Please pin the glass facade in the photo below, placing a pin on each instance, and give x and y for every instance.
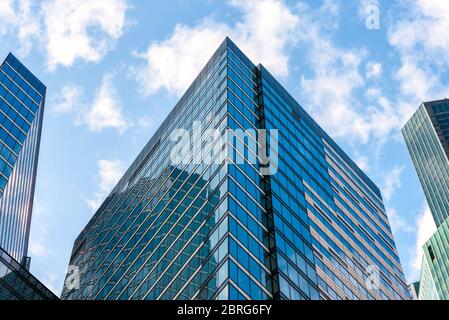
(427, 137)
(434, 284)
(218, 227)
(22, 99)
(16, 283)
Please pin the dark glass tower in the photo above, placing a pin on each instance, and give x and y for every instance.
(307, 224)
(22, 99)
(16, 283)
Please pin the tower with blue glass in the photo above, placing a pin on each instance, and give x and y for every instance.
(22, 100)
(309, 225)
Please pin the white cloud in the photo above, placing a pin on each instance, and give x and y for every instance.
(362, 163)
(420, 37)
(19, 19)
(364, 6)
(335, 92)
(38, 249)
(41, 222)
(373, 70)
(425, 25)
(265, 33)
(67, 100)
(329, 94)
(50, 281)
(146, 122)
(392, 182)
(398, 223)
(66, 30)
(109, 173)
(172, 64)
(81, 29)
(415, 81)
(425, 228)
(105, 111)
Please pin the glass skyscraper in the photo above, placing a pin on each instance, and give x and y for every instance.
(22, 99)
(307, 224)
(427, 137)
(434, 284)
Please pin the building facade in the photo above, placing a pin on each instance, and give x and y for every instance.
(211, 217)
(434, 284)
(16, 283)
(427, 137)
(22, 99)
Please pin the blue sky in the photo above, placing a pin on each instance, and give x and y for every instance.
(115, 68)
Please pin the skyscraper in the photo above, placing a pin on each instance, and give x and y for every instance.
(434, 284)
(427, 137)
(202, 213)
(22, 99)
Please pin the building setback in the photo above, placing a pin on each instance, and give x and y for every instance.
(307, 225)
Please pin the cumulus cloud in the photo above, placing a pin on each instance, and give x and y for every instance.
(373, 70)
(50, 280)
(66, 30)
(392, 182)
(362, 163)
(109, 173)
(81, 29)
(38, 249)
(67, 100)
(420, 37)
(336, 91)
(40, 224)
(425, 228)
(173, 63)
(19, 19)
(105, 111)
(398, 223)
(365, 6)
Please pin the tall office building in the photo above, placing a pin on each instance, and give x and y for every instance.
(210, 216)
(427, 137)
(22, 99)
(434, 284)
